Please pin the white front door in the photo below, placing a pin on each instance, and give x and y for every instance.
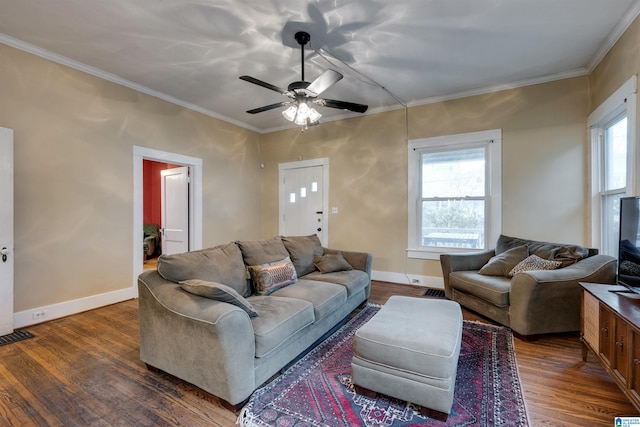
(175, 210)
(303, 199)
(6, 231)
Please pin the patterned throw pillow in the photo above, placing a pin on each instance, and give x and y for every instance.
(268, 278)
(534, 262)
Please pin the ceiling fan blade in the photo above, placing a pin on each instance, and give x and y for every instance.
(268, 107)
(324, 81)
(264, 84)
(342, 105)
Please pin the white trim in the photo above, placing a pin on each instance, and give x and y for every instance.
(408, 279)
(614, 35)
(622, 100)
(607, 109)
(494, 170)
(324, 162)
(195, 200)
(67, 308)
(72, 63)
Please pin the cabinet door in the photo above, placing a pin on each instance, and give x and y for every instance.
(622, 349)
(606, 334)
(634, 381)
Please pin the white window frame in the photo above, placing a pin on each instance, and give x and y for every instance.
(621, 101)
(493, 141)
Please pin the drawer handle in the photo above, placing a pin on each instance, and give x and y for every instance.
(621, 344)
(636, 361)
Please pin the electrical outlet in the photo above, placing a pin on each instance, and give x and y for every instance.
(41, 314)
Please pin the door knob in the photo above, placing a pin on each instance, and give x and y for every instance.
(4, 253)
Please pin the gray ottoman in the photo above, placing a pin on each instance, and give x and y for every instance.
(409, 350)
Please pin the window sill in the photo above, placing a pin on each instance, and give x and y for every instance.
(434, 254)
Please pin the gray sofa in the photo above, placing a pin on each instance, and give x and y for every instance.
(533, 301)
(229, 342)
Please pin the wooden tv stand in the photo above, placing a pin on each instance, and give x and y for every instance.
(610, 327)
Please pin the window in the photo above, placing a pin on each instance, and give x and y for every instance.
(612, 165)
(454, 193)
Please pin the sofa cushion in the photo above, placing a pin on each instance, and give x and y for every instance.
(503, 263)
(493, 289)
(353, 280)
(279, 319)
(219, 292)
(302, 249)
(270, 277)
(329, 263)
(222, 264)
(256, 252)
(325, 297)
(567, 254)
(534, 262)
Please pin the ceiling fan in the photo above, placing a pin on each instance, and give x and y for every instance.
(303, 93)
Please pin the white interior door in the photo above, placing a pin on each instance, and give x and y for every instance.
(175, 210)
(303, 199)
(6, 231)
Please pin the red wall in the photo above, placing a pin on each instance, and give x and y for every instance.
(151, 190)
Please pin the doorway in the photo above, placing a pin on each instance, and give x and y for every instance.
(304, 198)
(194, 165)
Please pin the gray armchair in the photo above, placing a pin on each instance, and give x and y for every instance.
(531, 302)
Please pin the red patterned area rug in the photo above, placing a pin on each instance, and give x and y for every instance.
(317, 390)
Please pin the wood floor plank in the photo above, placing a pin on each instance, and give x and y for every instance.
(85, 370)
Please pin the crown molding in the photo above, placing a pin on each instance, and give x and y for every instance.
(614, 35)
(71, 63)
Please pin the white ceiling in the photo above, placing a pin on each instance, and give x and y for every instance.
(390, 52)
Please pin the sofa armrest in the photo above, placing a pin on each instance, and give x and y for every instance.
(359, 260)
(549, 301)
(462, 261)
(208, 343)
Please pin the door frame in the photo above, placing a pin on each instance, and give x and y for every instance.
(282, 197)
(7, 273)
(195, 200)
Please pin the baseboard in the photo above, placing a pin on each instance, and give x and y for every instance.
(33, 316)
(408, 279)
(67, 308)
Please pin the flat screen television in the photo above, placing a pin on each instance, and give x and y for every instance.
(629, 244)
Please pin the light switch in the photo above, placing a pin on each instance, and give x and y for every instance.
(334, 210)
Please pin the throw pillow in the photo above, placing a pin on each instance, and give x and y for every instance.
(268, 278)
(222, 264)
(502, 264)
(302, 249)
(218, 292)
(534, 262)
(256, 252)
(329, 263)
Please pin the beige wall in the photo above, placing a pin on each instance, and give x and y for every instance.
(73, 139)
(74, 135)
(544, 144)
(622, 62)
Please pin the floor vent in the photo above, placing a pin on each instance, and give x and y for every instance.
(15, 336)
(433, 293)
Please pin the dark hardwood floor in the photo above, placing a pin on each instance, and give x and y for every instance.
(85, 370)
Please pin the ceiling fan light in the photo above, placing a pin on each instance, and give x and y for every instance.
(303, 110)
(314, 116)
(300, 120)
(290, 113)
